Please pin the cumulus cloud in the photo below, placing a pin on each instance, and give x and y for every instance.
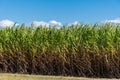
(40, 23)
(52, 23)
(74, 23)
(55, 24)
(115, 21)
(5, 23)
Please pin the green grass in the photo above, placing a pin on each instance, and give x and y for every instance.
(81, 50)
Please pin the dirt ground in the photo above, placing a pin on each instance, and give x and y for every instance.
(9, 76)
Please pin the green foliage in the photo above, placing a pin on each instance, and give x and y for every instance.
(79, 50)
(64, 40)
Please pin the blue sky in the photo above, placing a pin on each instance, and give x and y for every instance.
(65, 11)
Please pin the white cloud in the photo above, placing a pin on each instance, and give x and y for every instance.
(5, 23)
(55, 23)
(74, 23)
(40, 23)
(52, 23)
(115, 21)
